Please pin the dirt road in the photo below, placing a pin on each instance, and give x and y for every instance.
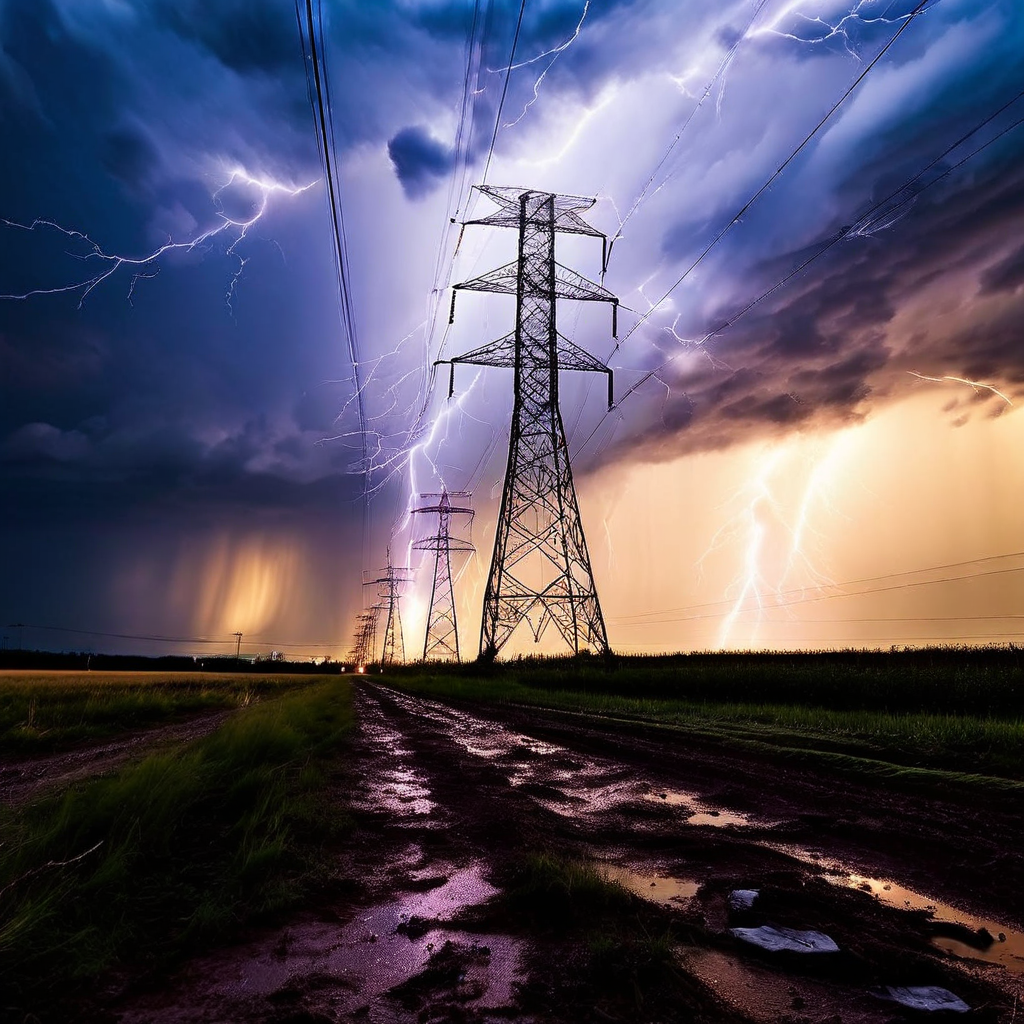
(28, 777)
(450, 801)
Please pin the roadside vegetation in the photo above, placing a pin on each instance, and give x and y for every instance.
(46, 711)
(175, 851)
(624, 949)
(917, 716)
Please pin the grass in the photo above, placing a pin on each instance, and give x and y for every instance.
(174, 851)
(954, 713)
(563, 892)
(624, 949)
(44, 711)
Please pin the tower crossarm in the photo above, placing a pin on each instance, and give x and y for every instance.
(503, 353)
(566, 211)
(568, 285)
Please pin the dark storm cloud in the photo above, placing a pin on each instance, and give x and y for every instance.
(245, 35)
(1006, 275)
(202, 395)
(420, 161)
(819, 350)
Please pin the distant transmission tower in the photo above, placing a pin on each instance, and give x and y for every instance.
(364, 644)
(540, 570)
(390, 583)
(442, 636)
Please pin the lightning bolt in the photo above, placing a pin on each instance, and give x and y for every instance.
(820, 30)
(763, 576)
(554, 53)
(977, 385)
(104, 265)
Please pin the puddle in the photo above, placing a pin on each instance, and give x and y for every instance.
(587, 786)
(1007, 949)
(350, 966)
(661, 889)
(700, 814)
(398, 787)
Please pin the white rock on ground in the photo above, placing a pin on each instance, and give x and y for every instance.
(743, 899)
(927, 997)
(790, 940)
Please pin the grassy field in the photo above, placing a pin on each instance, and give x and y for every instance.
(174, 851)
(954, 713)
(44, 711)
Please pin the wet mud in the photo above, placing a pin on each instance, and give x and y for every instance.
(449, 801)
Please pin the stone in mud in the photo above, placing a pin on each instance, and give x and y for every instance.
(786, 940)
(927, 998)
(416, 927)
(743, 899)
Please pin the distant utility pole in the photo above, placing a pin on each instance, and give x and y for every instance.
(389, 584)
(540, 570)
(238, 644)
(19, 626)
(442, 636)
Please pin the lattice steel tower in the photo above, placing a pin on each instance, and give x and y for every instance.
(390, 583)
(540, 570)
(442, 636)
(364, 643)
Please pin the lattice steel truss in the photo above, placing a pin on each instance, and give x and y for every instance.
(389, 584)
(540, 570)
(364, 643)
(441, 640)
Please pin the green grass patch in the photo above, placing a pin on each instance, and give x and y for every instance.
(947, 712)
(559, 892)
(44, 711)
(174, 851)
(623, 949)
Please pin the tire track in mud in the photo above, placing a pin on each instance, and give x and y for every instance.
(675, 846)
(448, 800)
(32, 776)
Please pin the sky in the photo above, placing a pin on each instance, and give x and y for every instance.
(817, 211)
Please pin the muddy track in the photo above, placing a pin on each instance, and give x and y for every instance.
(23, 779)
(448, 801)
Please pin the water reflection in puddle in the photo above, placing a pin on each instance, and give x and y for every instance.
(584, 786)
(1007, 947)
(353, 966)
(398, 787)
(662, 889)
(700, 813)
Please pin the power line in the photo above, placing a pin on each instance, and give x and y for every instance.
(866, 220)
(778, 171)
(164, 639)
(871, 215)
(504, 92)
(829, 597)
(852, 583)
(318, 91)
(726, 61)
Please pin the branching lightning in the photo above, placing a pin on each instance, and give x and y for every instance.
(976, 385)
(104, 265)
(821, 30)
(554, 53)
(773, 537)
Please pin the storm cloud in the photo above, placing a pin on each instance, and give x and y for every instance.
(214, 382)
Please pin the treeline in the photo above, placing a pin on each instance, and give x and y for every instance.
(72, 660)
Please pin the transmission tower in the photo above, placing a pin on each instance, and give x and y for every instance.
(442, 636)
(364, 643)
(540, 570)
(389, 584)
